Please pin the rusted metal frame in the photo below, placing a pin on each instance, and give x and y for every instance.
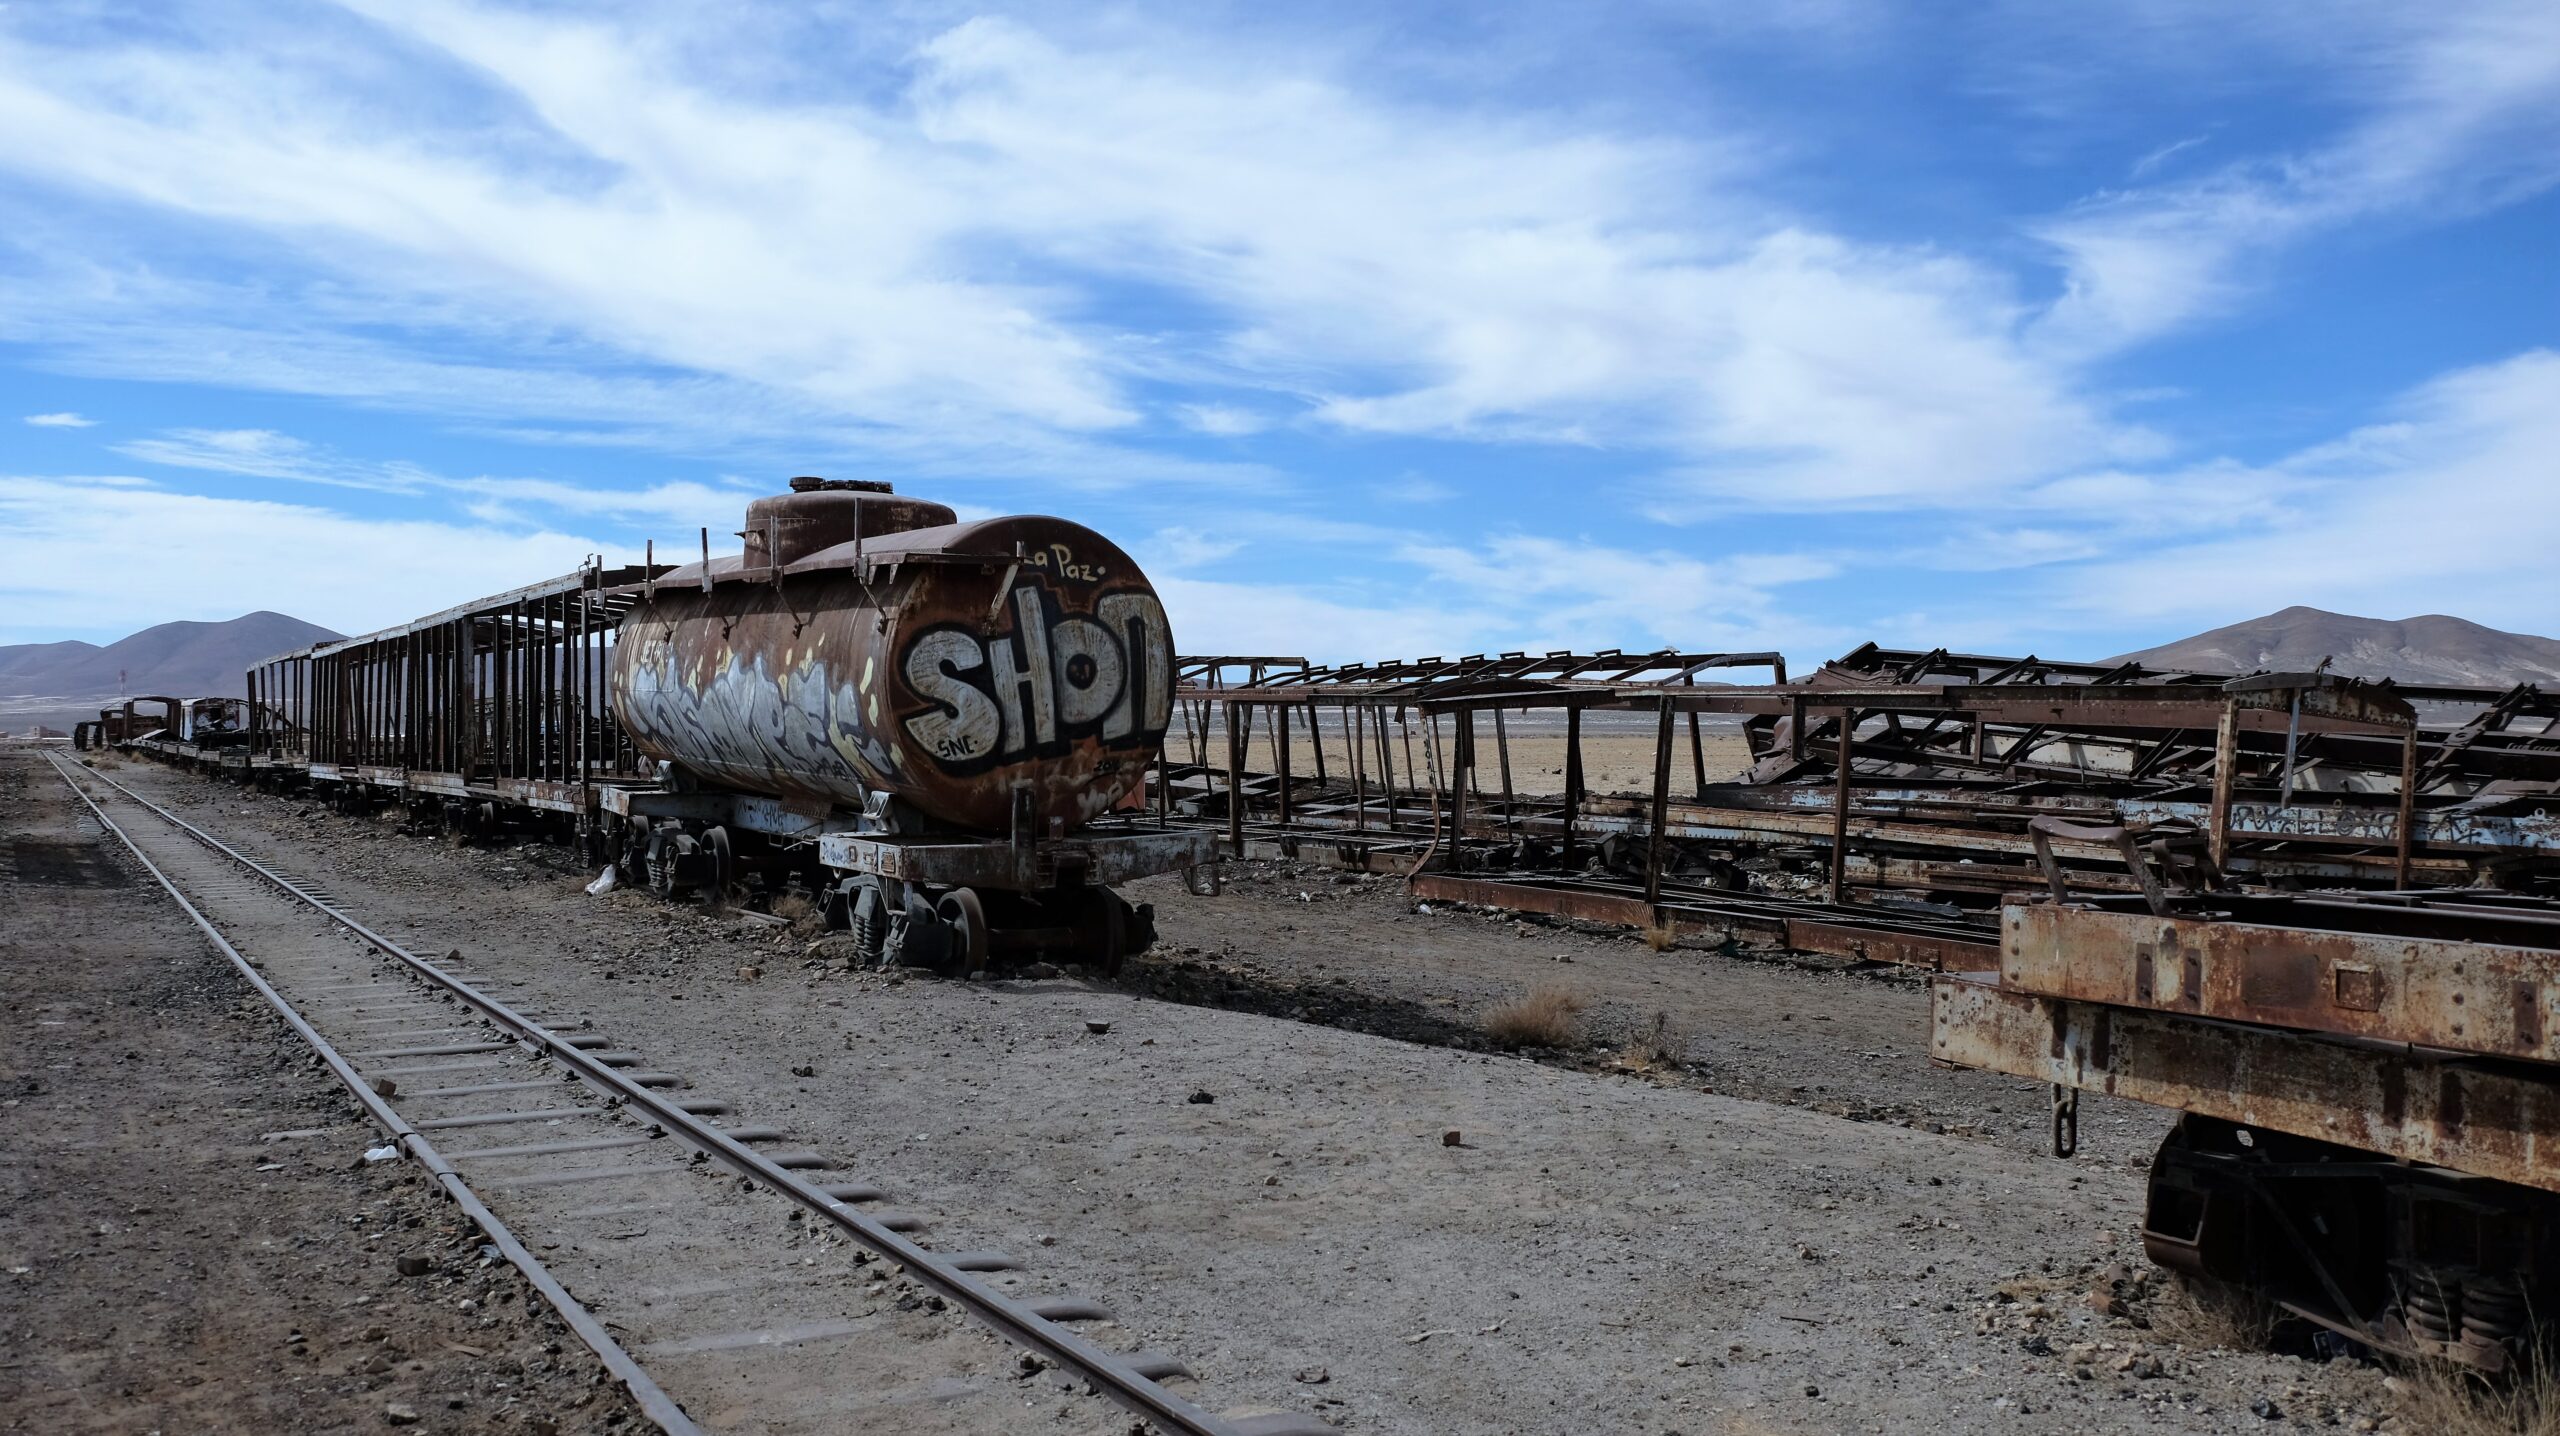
(1315, 740)
(1797, 926)
(1458, 775)
(554, 700)
(1573, 793)
(1841, 784)
(556, 677)
(462, 712)
(1502, 754)
(1280, 752)
(1354, 735)
(1235, 784)
(502, 684)
(2226, 760)
(1660, 817)
(2404, 847)
(1474, 777)
(2492, 1000)
(1386, 764)
(520, 649)
(2490, 1119)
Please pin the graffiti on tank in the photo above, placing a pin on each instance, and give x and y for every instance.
(1059, 559)
(1051, 681)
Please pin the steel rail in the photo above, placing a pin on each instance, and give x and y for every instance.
(653, 1400)
(1111, 1374)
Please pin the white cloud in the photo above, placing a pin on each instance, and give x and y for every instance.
(264, 453)
(1225, 421)
(61, 421)
(2460, 111)
(924, 263)
(114, 556)
(2449, 506)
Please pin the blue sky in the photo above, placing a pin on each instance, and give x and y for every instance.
(1370, 331)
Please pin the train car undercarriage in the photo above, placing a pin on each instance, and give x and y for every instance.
(2371, 1123)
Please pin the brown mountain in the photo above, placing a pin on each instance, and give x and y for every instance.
(182, 660)
(2431, 648)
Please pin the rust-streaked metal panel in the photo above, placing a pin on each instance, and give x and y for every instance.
(1105, 859)
(1768, 919)
(2496, 1000)
(2489, 1119)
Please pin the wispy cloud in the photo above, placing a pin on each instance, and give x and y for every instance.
(2446, 505)
(61, 421)
(346, 572)
(2460, 111)
(2145, 166)
(264, 453)
(921, 269)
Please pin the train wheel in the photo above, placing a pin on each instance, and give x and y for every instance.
(724, 861)
(970, 938)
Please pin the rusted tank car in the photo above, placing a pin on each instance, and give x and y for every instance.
(945, 708)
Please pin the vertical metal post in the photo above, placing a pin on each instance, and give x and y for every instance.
(1840, 810)
(1572, 777)
(1697, 743)
(1661, 807)
(2292, 741)
(1502, 756)
(2408, 806)
(2226, 763)
(1235, 784)
(1315, 738)
(1460, 770)
(1387, 769)
(1280, 750)
(1354, 733)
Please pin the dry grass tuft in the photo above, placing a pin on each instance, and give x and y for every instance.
(2442, 1399)
(2204, 1315)
(1657, 1046)
(1549, 1016)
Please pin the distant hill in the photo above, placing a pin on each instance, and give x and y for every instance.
(2430, 648)
(182, 660)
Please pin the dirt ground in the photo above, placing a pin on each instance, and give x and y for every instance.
(1787, 1223)
(189, 1238)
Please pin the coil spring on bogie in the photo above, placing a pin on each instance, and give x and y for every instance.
(2494, 1311)
(2429, 1306)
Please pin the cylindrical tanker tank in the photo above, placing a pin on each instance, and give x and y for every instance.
(870, 644)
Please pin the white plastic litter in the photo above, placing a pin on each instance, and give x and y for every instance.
(602, 885)
(380, 1154)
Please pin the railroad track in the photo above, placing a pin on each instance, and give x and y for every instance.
(824, 1312)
